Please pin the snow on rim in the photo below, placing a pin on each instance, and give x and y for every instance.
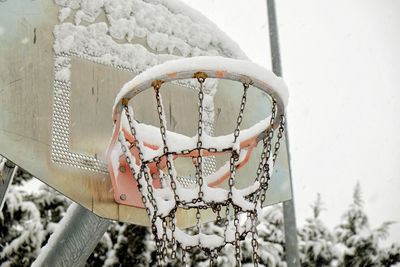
(206, 63)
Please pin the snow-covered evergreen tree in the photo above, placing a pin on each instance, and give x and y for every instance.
(390, 256)
(315, 239)
(124, 245)
(21, 230)
(270, 239)
(51, 205)
(27, 220)
(131, 246)
(358, 244)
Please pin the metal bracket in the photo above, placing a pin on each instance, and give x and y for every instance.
(74, 239)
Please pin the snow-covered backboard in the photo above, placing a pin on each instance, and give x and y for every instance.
(62, 63)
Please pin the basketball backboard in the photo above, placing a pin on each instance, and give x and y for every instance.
(61, 65)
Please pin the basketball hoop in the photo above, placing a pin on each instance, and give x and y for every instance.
(142, 158)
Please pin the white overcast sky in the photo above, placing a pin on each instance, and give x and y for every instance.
(341, 61)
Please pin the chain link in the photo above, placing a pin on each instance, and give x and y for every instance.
(184, 262)
(201, 77)
(199, 159)
(263, 170)
(254, 236)
(163, 130)
(139, 176)
(213, 257)
(235, 153)
(173, 240)
(281, 130)
(143, 167)
(232, 168)
(237, 237)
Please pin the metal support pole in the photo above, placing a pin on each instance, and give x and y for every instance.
(274, 38)
(7, 174)
(74, 239)
(291, 245)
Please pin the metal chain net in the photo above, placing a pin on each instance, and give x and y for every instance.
(164, 226)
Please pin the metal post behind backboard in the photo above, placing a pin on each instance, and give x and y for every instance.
(291, 244)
